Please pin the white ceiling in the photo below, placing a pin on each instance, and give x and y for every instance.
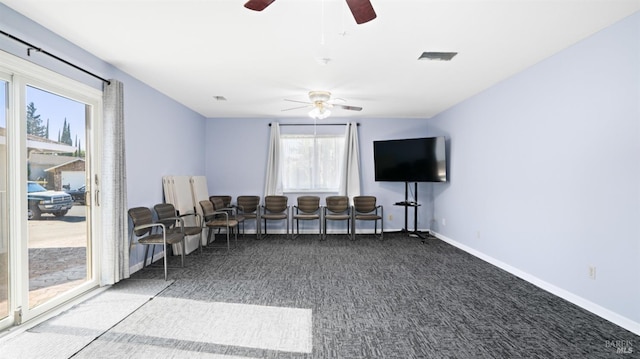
(194, 50)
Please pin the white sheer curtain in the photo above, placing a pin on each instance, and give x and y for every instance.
(273, 177)
(350, 173)
(113, 189)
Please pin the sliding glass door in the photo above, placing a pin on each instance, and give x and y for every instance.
(48, 221)
(58, 230)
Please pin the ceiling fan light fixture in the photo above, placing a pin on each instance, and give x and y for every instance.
(319, 113)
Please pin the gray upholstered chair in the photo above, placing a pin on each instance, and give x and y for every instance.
(143, 233)
(220, 206)
(174, 222)
(213, 220)
(248, 207)
(307, 209)
(365, 209)
(336, 209)
(275, 208)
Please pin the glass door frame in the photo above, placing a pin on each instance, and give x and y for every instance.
(5, 322)
(25, 74)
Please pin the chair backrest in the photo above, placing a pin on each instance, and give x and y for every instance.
(207, 209)
(217, 203)
(364, 204)
(276, 204)
(249, 204)
(166, 210)
(337, 204)
(308, 204)
(226, 200)
(141, 216)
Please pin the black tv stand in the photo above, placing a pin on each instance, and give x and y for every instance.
(406, 204)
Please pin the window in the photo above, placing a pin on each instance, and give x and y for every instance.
(311, 163)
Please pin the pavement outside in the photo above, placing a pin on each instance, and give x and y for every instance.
(57, 257)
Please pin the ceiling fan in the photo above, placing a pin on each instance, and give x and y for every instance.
(362, 10)
(320, 105)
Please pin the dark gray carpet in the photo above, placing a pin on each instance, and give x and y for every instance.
(396, 298)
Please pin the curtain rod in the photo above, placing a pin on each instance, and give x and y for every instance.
(32, 47)
(314, 124)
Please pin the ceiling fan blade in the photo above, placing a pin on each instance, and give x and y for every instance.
(297, 108)
(258, 5)
(348, 107)
(362, 10)
(307, 102)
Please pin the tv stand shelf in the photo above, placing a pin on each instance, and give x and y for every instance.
(406, 204)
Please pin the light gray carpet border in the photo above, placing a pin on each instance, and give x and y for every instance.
(69, 332)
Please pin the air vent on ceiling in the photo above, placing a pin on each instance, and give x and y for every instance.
(220, 98)
(437, 56)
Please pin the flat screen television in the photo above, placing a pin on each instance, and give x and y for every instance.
(410, 160)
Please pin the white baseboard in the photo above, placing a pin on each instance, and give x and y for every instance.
(596, 309)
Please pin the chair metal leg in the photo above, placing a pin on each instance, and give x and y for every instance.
(236, 236)
(184, 249)
(146, 255)
(324, 230)
(164, 245)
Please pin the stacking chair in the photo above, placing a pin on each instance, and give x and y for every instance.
(365, 209)
(307, 209)
(275, 208)
(213, 219)
(336, 209)
(175, 222)
(248, 207)
(143, 233)
(220, 206)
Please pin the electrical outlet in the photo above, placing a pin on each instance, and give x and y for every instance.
(592, 272)
(444, 222)
(478, 234)
(391, 217)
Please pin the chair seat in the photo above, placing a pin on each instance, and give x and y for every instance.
(188, 231)
(222, 223)
(273, 216)
(368, 217)
(337, 217)
(306, 216)
(172, 238)
(192, 231)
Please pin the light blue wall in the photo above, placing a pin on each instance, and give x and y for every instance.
(162, 136)
(546, 167)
